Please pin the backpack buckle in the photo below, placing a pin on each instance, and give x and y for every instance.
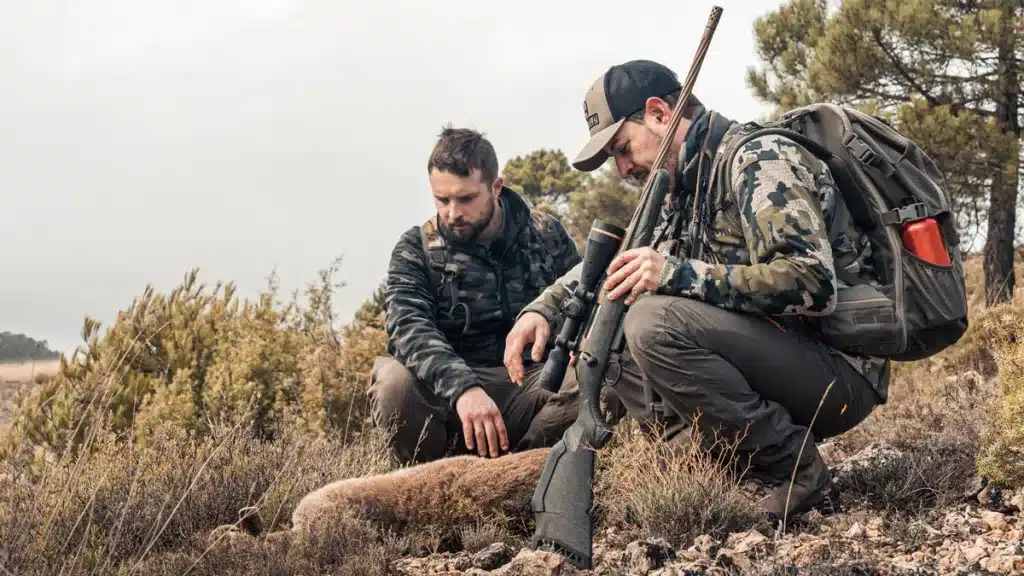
(905, 213)
(860, 150)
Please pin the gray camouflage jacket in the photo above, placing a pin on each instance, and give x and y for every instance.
(452, 310)
(762, 245)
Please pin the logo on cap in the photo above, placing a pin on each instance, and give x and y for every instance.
(592, 119)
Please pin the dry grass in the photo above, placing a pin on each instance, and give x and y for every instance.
(122, 504)
(677, 491)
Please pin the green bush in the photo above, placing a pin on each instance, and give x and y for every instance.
(201, 359)
(1001, 457)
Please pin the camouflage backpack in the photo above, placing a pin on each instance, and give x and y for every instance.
(887, 183)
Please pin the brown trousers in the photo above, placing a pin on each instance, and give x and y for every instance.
(426, 427)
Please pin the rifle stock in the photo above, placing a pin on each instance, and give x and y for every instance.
(563, 501)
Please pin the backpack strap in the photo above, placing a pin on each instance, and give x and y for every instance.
(698, 218)
(441, 270)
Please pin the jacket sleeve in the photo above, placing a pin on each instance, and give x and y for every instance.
(413, 337)
(567, 256)
(791, 269)
(568, 264)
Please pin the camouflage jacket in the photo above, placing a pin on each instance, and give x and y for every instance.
(757, 244)
(450, 307)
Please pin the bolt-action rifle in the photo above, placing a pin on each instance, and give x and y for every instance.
(563, 501)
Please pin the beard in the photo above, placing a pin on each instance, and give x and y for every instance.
(467, 231)
(639, 174)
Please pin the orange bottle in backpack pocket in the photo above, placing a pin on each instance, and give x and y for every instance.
(923, 238)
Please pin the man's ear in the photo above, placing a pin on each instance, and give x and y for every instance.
(658, 110)
(498, 183)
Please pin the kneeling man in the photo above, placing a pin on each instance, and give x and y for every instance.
(723, 322)
(454, 288)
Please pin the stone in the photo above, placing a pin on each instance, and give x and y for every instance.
(706, 545)
(746, 542)
(536, 563)
(649, 554)
(493, 556)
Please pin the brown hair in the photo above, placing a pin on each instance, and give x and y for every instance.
(459, 151)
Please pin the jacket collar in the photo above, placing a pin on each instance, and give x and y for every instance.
(689, 158)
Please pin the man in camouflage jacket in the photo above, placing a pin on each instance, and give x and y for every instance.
(454, 287)
(722, 321)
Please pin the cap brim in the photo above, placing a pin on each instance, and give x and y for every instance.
(593, 155)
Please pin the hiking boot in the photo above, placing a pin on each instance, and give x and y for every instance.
(812, 488)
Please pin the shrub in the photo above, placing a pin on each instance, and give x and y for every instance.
(199, 359)
(1002, 444)
(676, 490)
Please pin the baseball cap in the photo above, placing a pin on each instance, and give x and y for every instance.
(622, 90)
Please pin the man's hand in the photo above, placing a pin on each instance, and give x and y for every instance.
(482, 424)
(531, 327)
(634, 271)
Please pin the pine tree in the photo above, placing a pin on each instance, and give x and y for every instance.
(944, 72)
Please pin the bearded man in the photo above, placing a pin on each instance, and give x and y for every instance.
(454, 287)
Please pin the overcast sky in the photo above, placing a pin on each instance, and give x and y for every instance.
(139, 139)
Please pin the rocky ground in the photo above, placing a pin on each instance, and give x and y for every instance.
(982, 534)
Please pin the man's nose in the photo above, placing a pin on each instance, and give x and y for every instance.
(623, 165)
(453, 212)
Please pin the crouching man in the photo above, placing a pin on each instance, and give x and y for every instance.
(722, 318)
(454, 287)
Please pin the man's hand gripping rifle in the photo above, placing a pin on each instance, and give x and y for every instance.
(563, 501)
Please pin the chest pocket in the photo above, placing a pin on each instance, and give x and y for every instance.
(467, 294)
(453, 312)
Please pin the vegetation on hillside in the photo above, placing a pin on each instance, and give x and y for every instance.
(20, 348)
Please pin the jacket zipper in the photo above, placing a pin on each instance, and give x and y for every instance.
(506, 312)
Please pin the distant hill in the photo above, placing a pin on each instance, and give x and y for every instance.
(20, 348)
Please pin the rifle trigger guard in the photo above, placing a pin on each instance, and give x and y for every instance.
(612, 373)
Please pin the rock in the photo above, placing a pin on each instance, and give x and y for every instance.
(1015, 501)
(730, 559)
(493, 556)
(910, 567)
(692, 569)
(706, 545)
(974, 487)
(434, 564)
(855, 531)
(995, 498)
(873, 457)
(994, 520)
(536, 563)
(874, 528)
(747, 542)
(808, 551)
(973, 554)
(1001, 564)
(649, 554)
